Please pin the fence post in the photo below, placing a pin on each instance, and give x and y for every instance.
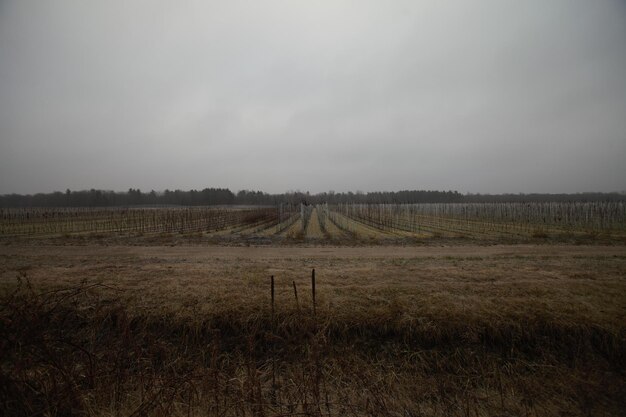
(313, 289)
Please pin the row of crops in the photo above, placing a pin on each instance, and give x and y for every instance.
(488, 219)
(18, 222)
(444, 219)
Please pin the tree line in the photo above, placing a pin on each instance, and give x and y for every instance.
(223, 196)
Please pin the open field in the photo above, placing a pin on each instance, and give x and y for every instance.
(505, 330)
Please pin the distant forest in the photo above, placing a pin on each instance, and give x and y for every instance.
(223, 196)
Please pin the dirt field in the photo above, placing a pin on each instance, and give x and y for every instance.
(341, 252)
(396, 331)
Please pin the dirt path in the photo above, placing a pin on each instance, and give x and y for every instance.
(313, 229)
(215, 252)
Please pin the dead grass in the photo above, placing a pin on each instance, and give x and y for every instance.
(451, 336)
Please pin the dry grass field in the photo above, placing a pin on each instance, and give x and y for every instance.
(191, 330)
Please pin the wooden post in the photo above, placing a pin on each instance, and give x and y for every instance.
(272, 290)
(272, 346)
(295, 293)
(313, 289)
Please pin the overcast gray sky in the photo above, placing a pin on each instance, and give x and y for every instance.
(475, 96)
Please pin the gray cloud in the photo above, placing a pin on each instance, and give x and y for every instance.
(492, 96)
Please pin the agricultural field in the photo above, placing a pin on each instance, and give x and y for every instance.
(301, 310)
(346, 223)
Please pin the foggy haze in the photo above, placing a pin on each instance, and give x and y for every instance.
(487, 96)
